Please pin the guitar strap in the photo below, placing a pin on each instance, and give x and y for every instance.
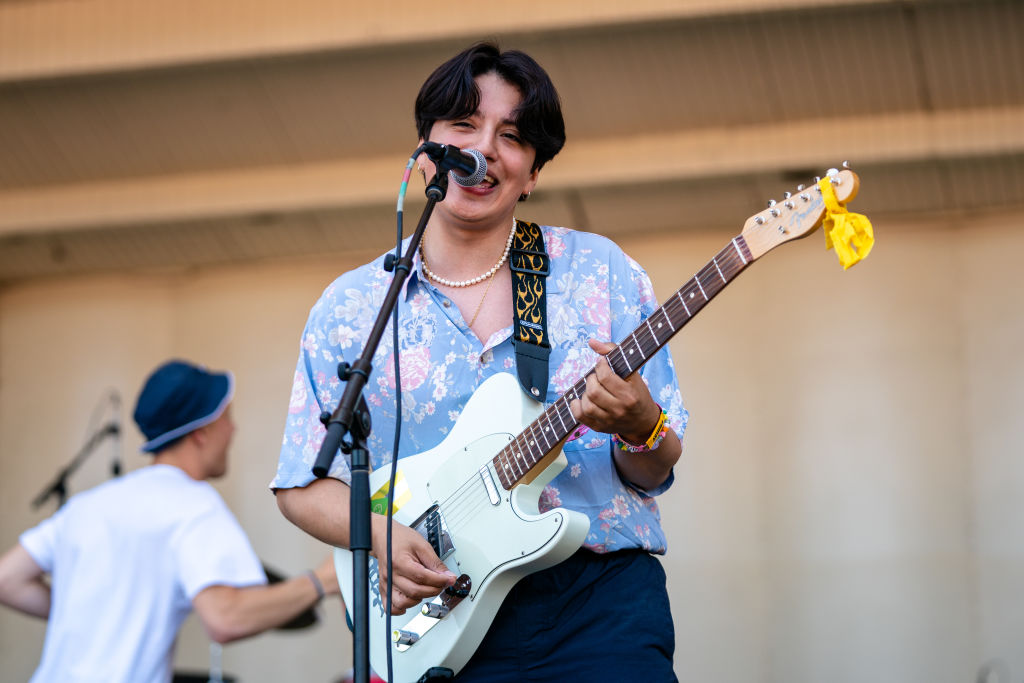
(530, 266)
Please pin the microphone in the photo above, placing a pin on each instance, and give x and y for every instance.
(466, 167)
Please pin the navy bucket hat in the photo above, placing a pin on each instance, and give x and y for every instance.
(179, 398)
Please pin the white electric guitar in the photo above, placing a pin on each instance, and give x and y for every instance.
(475, 496)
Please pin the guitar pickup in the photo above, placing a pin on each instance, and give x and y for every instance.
(431, 526)
(492, 490)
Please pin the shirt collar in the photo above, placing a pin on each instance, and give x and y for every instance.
(415, 277)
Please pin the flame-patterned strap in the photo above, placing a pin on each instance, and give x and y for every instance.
(530, 265)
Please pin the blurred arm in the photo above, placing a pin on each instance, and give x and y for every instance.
(230, 613)
(21, 583)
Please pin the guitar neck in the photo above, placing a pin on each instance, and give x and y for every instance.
(515, 462)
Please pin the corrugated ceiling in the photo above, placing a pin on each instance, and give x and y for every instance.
(802, 68)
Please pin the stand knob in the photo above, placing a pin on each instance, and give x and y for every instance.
(344, 370)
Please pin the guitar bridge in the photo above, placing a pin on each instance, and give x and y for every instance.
(431, 526)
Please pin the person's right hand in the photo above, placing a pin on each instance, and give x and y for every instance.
(418, 573)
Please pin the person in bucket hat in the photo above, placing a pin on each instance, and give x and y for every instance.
(129, 559)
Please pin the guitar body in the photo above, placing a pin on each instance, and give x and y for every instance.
(491, 535)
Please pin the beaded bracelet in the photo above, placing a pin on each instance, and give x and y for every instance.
(319, 587)
(653, 441)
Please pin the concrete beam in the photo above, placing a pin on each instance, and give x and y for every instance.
(689, 155)
(55, 38)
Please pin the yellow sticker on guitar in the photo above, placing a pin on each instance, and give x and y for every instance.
(379, 500)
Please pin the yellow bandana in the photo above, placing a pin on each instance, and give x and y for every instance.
(850, 234)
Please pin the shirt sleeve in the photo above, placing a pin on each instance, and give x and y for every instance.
(213, 550)
(315, 385)
(41, 542)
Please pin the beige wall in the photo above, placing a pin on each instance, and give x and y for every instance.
(847, 508)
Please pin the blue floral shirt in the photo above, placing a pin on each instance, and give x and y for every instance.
(593, 290)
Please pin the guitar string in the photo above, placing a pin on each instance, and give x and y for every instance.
(728, 257)
(455, 506)
(466, 503)
(536, 431)
(456, 510)
(461, 506)
(512, 454)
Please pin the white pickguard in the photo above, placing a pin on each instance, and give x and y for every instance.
(495, 544)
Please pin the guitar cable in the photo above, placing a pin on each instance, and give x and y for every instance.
(400, 211)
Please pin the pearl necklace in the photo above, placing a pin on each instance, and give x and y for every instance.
(480, 278)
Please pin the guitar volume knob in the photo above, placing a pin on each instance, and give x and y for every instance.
(435, 610)
(457, 591)
(401, 637)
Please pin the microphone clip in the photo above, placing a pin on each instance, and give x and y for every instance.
(445, 157)
(467, 167)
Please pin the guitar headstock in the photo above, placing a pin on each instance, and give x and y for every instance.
(800, 212)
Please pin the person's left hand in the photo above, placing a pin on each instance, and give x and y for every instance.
(614, 405)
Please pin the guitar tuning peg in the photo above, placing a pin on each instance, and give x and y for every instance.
(804, 196)
(771, 203)
(799, 188)
(832, 172)
(789, 205)
(817, 179)
(787, 195)
(846, 164)
(759, 220)
(775, 213)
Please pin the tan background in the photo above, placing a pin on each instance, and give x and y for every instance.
(183, 182)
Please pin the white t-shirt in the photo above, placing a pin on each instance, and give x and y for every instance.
(125, 560)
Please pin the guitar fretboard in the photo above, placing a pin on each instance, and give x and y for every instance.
(542, 435)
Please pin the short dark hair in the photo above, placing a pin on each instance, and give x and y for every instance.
(450, 93)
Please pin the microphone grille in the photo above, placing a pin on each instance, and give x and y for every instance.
(475, 177)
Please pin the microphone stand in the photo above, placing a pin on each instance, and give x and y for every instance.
(352, 418)
(58, 486)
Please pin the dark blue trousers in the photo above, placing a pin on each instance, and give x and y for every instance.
(594, 617)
